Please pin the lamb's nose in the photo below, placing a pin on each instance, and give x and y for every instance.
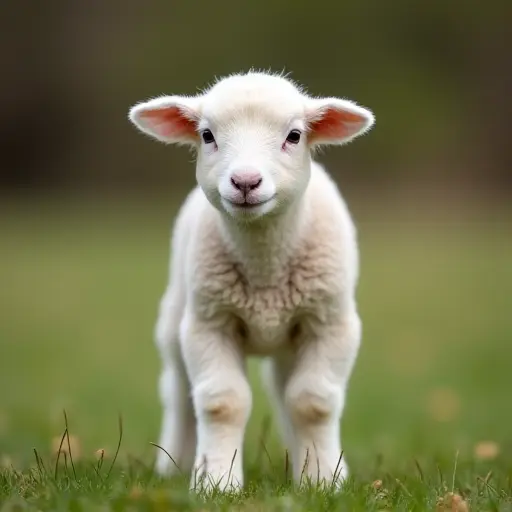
(247, 181)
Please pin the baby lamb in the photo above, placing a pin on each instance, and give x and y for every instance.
(264, 263)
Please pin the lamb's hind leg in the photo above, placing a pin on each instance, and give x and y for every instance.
(178, 431)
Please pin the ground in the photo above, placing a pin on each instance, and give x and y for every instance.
(428, 410)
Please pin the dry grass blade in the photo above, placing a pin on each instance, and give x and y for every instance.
(306, 462)
(40, 465)
(337, 470)
(420, 471)
(69, 445)
(267, 453)
(58, 454)
(167, 453)
(101, 459)
(118, 446)
(231, 467)
(265, 429)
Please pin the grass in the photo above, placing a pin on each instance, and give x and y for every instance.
(428, 410)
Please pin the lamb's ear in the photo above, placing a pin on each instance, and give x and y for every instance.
(336, 121)
(170, 119)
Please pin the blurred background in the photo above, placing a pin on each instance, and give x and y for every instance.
(87, 203)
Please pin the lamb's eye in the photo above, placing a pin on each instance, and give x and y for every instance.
(208, 137)
(293, 137)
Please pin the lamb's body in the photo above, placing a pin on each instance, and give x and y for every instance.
(278, 283)
(267, 278)
(268, 288)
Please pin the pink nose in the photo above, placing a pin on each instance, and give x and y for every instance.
(247, 181)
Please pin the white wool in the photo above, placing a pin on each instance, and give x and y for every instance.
(264, 262)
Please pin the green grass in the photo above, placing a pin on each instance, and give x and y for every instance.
(80, 282)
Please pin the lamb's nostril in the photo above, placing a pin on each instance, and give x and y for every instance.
(255, 185)
(235, 183)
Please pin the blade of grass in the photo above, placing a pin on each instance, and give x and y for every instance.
(118, 446)
(58, 454)
(167, 453)
(69, 445)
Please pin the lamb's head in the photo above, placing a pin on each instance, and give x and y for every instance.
(253, 134)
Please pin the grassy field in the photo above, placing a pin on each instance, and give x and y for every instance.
(429, 409)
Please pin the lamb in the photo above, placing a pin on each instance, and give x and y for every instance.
(264, 263)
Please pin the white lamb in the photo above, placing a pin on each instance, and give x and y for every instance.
(264, 262)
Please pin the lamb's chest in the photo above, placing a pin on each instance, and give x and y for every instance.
(267, 310)
(266, 316)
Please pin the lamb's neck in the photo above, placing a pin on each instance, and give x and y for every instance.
(263, 249)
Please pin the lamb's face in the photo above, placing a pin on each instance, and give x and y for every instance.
(253, 156)
(253, 135)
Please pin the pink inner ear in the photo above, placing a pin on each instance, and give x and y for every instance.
(335, 124)
(170, 122)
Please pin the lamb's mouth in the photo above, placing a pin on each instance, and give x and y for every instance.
(246, 205)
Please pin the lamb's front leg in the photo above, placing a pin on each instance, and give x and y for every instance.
(222, 401)
(314, 399)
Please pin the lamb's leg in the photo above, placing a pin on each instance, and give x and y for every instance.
(222, 402)
(177, 435)
(314, 399)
